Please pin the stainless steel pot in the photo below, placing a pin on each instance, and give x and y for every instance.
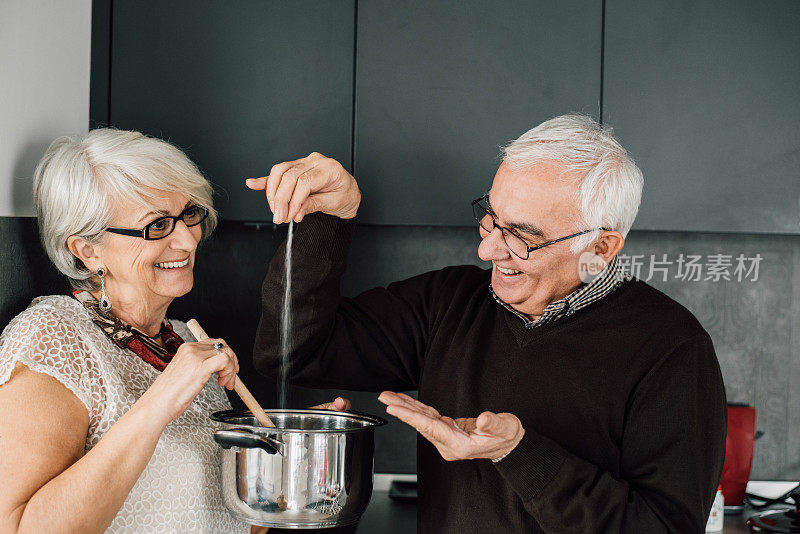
(313, 470)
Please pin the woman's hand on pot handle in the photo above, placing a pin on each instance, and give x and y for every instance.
(186, 375)
(313, 183)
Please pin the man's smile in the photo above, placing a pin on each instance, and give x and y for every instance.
(507, 272)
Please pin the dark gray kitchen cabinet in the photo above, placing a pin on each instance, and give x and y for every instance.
(706, 96)
(441, 85)
(239, 85)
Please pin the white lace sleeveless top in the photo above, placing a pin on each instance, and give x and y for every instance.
(178, 491)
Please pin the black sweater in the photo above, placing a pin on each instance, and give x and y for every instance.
(622, 403)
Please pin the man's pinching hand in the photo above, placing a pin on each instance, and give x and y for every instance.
(313, 183)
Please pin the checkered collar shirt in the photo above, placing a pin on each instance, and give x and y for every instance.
(610, 278)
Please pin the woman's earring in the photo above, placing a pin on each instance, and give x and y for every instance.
(105, 303)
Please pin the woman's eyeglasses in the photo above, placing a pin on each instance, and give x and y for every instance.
(163, 226)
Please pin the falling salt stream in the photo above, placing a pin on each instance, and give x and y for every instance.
(295, 495)
(286, 319)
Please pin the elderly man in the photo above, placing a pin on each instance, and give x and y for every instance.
(550, 400)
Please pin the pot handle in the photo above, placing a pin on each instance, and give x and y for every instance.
(247, 440)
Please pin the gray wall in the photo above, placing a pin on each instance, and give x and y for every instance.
(44, 87)
(753, 324)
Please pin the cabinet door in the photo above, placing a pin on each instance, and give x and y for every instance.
(705, 96)
(239, 85)
(441, 85)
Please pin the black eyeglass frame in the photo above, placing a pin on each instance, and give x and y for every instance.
(504, 229)
(144, 233)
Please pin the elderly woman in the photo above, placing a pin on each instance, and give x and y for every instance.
(105, 401)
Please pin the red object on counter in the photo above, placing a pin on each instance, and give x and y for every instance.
(738, 453)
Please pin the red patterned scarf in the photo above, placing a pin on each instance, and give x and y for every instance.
(128, 337)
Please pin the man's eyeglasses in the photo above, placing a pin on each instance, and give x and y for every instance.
(487, 220)
(163, 226)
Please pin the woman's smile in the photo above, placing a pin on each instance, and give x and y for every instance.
(173, 265)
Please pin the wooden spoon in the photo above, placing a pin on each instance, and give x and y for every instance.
(238, 386)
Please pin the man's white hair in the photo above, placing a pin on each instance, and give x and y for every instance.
(610, 182)
(81, 181)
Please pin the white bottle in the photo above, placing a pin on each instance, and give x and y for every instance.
(717, 516)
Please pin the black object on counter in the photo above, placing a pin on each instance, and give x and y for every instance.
(404, 491)
(777, 520)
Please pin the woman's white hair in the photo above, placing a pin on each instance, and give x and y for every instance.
(610, 182)
(80, 181)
